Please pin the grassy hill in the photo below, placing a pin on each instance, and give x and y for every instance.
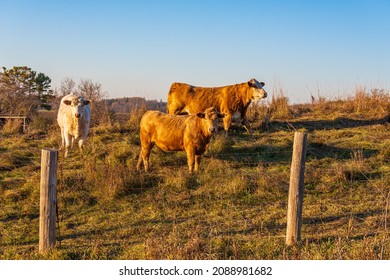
(234, 208)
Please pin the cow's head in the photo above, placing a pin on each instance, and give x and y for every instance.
(211, 115)
(256, 88)
(77, 106)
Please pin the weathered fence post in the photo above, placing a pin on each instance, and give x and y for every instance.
(48, 200)
(24, 125)
(295, 195)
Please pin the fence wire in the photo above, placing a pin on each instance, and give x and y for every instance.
(348, 169)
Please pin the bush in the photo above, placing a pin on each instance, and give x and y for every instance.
(375, 103)
(41, 124)
(12, 126)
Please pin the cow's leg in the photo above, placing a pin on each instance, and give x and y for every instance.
(145, 142)
(82, 138)
(247, 125)
(140, 160)
(71, 142)
(197, 162)
(81, 144)
(62, 139)
(190, 158)
(144, 156)
(68, 142)
(227, 121)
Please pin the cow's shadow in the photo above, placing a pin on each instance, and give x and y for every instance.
(257, 153)
(267, 154)
(312, 125)
(253, 154)
(320, 151)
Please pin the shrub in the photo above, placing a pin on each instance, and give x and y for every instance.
(41, 124)
(12, 126)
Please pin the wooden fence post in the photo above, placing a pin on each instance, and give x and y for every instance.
(295, 195)
(24, 125)
(48, 200)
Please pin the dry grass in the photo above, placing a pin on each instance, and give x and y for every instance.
(375, 102)
(234, 208)
(12, 126)
(279, 105)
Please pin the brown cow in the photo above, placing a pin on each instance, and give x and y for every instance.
(232, 101)
(189, 133)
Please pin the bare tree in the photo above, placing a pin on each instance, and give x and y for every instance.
(91, 91)
(94, 93)
(67, 86)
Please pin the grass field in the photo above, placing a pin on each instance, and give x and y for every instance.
(234, 208)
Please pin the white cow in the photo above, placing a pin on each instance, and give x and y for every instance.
(74, 116)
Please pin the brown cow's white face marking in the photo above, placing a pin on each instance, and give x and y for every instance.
(257, 89)
(211, 115)
(77, 106)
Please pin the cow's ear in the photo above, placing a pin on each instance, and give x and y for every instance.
(262, 84)
(86, 102)
(221, 115)
(67, 102)
(201, 115)
(250, 83)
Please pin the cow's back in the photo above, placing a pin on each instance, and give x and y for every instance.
(188, 99)
(165, 130)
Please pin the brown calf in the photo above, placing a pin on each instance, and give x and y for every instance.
(189, 133)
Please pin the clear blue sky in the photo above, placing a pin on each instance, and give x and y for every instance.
(138, 48)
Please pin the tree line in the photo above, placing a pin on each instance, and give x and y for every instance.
(131, 104)
(24, 92)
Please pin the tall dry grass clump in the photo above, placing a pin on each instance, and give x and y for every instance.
(279, 106)
(12, 126)
(362, 104)
(42, 123)
(260, 114)
(375, 102)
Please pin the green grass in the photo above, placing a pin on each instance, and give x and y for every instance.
(234, 208)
